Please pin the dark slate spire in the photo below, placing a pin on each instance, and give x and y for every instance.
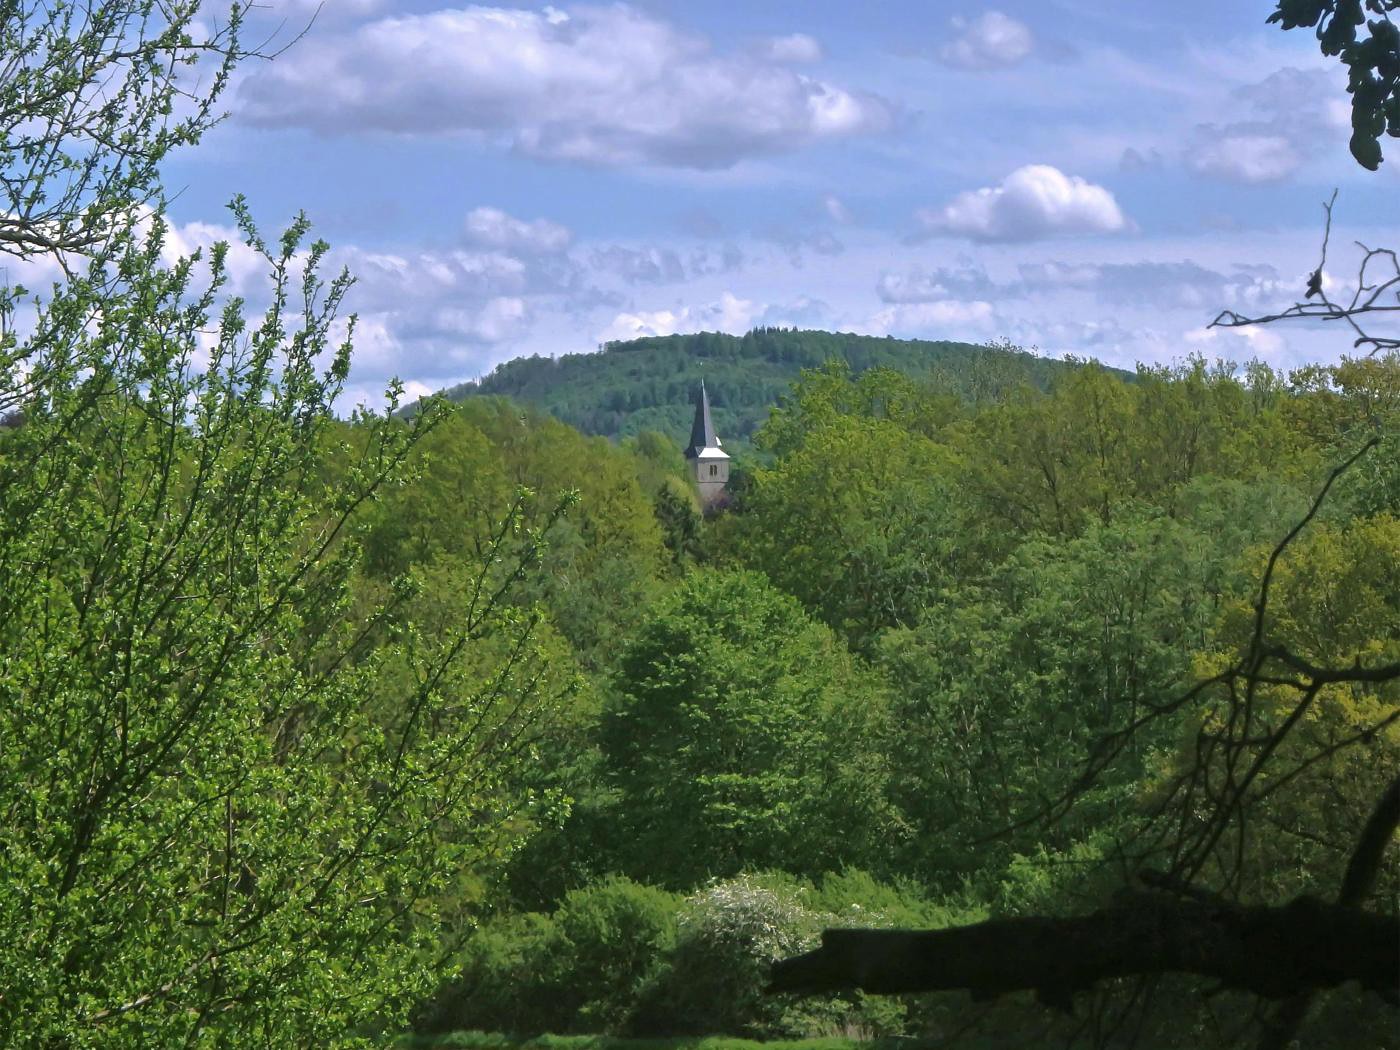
(702, 431)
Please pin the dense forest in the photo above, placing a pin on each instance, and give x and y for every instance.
(338, 731)
(659, 752)
(649, 384)
(868, 694)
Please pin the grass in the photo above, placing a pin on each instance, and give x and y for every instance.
(494, 1041)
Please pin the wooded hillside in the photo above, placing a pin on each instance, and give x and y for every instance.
(649, 384)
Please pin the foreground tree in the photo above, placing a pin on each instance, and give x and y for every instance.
(93, 96)
(230, 798)
(1372, 58)
(223, 811)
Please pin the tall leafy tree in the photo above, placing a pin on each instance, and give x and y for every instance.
(213, 823)
(605, 556)
(743, 736)
(861, 524)
(1005, 685)
(230, 798)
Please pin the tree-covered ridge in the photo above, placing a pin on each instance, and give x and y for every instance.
(649, 384)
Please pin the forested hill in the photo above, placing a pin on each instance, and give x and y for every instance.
(649, 384)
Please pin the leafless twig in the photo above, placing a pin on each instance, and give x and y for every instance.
(1377, 292)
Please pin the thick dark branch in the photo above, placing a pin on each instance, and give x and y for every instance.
(1273, 952)
(1362, 872)
(1365, 864)
(1332, 675)
(18, 237)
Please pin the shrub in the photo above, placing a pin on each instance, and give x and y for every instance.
(728, 934)
(579, 970)
(506, 982)
(619, 957)
(615, 935)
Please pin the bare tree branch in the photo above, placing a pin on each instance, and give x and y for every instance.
(1377, 292)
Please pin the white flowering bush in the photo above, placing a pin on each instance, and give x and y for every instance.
(755, 919)
(728, 934)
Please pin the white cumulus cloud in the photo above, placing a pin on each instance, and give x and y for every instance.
(990, 41)
(729, 314)
(595, 85)
(1033, 202)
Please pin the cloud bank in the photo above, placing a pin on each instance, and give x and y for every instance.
(597, 85)
(1293, 115)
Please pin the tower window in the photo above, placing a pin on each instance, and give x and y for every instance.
(714, 469)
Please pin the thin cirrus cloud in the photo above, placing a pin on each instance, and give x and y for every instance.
(1032, 203)
(597, 85)
(648, 264)
(795, 48)
(836, 209)
(1165, 284)
(325, 9)
(990, 41)
(658, 264)
(918, 285)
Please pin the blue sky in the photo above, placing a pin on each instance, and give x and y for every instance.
(1096, 177)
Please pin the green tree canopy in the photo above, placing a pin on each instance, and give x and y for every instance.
(743, 736)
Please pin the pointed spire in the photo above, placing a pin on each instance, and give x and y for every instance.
(702, 431)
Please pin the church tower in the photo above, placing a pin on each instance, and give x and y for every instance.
(707, 459)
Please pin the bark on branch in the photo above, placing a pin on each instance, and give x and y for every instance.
(1274, 952)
